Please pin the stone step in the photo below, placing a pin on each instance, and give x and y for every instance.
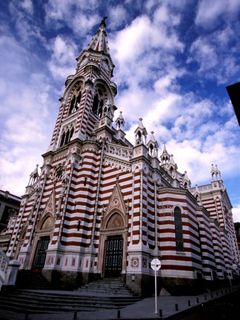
(66, 297)
(102, 294)
(49, 302)
(106, 286)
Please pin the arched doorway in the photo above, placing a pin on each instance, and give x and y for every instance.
(112, 258)
(40, 253)
(42, 240)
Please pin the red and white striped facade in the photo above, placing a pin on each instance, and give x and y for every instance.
(94, 184)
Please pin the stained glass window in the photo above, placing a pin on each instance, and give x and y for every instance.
(178, 229)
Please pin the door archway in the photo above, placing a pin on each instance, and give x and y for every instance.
(113, 240)
(42, 239)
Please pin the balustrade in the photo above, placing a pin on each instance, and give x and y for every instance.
(8, 270)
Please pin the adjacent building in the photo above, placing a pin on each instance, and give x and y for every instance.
(101, 206)
(234, 94)
(9, 207)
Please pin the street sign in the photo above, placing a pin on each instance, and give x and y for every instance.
(155, 264)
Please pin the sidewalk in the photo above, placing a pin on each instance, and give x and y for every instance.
(143, 309)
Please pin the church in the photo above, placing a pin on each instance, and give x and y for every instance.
(100, 206)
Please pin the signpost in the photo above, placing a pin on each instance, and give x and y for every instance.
(156, 265)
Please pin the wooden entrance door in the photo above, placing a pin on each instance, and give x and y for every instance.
(113, 256)
(40, 253)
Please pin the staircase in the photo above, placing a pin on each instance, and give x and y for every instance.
(102, 294)
(107, 287)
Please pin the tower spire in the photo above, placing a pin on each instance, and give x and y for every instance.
(97, 51)
(99, 41)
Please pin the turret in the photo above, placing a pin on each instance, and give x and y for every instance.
(216, 173)
(186, 183)
(33, 177)
(120, 122)
(165, 156)
(140, 148)
(152, 146)
(217, 181)
(140, 133)
(120, 126)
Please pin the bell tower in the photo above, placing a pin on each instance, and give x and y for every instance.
(58, 202)
(89, 94)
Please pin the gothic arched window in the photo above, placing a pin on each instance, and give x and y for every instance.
(178, 229)
(151, 149)
(75, 102)
(71, 133)
(62, 139)
(100, 108)
(66, 136)
(98, 102)
(138, 137)
(95, 104)
(72, 104)
(79, 98)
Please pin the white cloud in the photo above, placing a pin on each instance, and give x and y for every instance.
(179, 5)
(144, 54)
(236, 213)
(215, 55)
(197, 139)
(204, 53)
(140, 37)
(168, 80)
(62, 62)
(82, 23)
(27, 112)
(117, 16)
(26, 5)
(26, 26)
(162, 16)
(209, 12)
(79, 16)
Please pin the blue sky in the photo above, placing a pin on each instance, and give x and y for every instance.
(173, 60)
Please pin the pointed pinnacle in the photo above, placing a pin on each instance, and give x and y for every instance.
(103, 21)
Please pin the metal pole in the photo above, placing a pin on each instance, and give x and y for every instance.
(156, 307)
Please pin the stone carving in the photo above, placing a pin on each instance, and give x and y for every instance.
(115, 221)
(135, 262)
(116, 200)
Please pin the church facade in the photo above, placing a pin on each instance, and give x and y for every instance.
(102, 207)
